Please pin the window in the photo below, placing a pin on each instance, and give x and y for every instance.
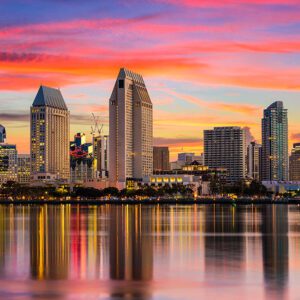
(121, 84)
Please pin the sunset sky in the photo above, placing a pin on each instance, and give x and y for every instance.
(205, 63)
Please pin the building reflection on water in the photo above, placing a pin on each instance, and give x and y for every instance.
(275, 248)
(133, 247)
(131, 251)
(50, 242)
(224, 240)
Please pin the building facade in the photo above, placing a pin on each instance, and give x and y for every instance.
(101, 156)
(225, 147)
(161, 158)
(24, 168)
(2, 134)
(50, 127)
(81, 159)
(295, 163)
(130, 129)
(275, 143)
(254, 161)
(8, 163)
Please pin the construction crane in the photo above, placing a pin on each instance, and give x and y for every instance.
(95, 128)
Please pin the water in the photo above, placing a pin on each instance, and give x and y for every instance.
(150, 252)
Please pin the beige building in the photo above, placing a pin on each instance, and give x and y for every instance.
(130, 129)
(295, 163)
(50, 127)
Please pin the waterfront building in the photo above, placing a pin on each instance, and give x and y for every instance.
(2, 134)
(50, 126)
(130, 129)
(101, 156)
(253, 160)
(24, 168)
(161, 158)
(295, 163)
(225, 147)
(81, 159)
(275, 143)
(8, 163)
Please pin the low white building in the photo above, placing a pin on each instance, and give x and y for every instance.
(192, 181)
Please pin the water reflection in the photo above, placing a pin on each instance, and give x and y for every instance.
(148, 252)
(50, 242)
(224, 240)
(131, 250)
(275, 246)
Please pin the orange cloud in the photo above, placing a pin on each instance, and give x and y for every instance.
(216, 105)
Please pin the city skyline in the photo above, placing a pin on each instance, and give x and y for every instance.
(220, 79)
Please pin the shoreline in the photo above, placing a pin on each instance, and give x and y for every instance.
(187, 201)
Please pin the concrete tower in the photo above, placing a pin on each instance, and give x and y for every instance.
(50, 131)
(130, 129)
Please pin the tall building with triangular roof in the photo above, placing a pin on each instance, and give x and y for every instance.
(130, 129)
(50, 134)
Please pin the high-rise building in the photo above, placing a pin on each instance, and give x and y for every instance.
(50, 127)
(2, 134)
(275, 143)
(295, 163)
(253, 160)
(130, 129)
(161, 160)
(24, 168)
(225, 147)
(81, 159)
(101, 155)
(8, 163)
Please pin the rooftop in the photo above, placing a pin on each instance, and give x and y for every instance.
(51, 97)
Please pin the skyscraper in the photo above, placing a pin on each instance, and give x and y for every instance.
(253, 160)
(50, 129)
(130, 129)
(2, 134)
(161, 158)
(275, 143)
(225, 147)
(295, 163)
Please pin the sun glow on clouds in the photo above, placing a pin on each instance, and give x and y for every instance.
(248, 45)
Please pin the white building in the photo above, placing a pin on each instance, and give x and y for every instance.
(130, 129)
(50, 129)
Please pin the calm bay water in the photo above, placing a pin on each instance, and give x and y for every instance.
(150, 252)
